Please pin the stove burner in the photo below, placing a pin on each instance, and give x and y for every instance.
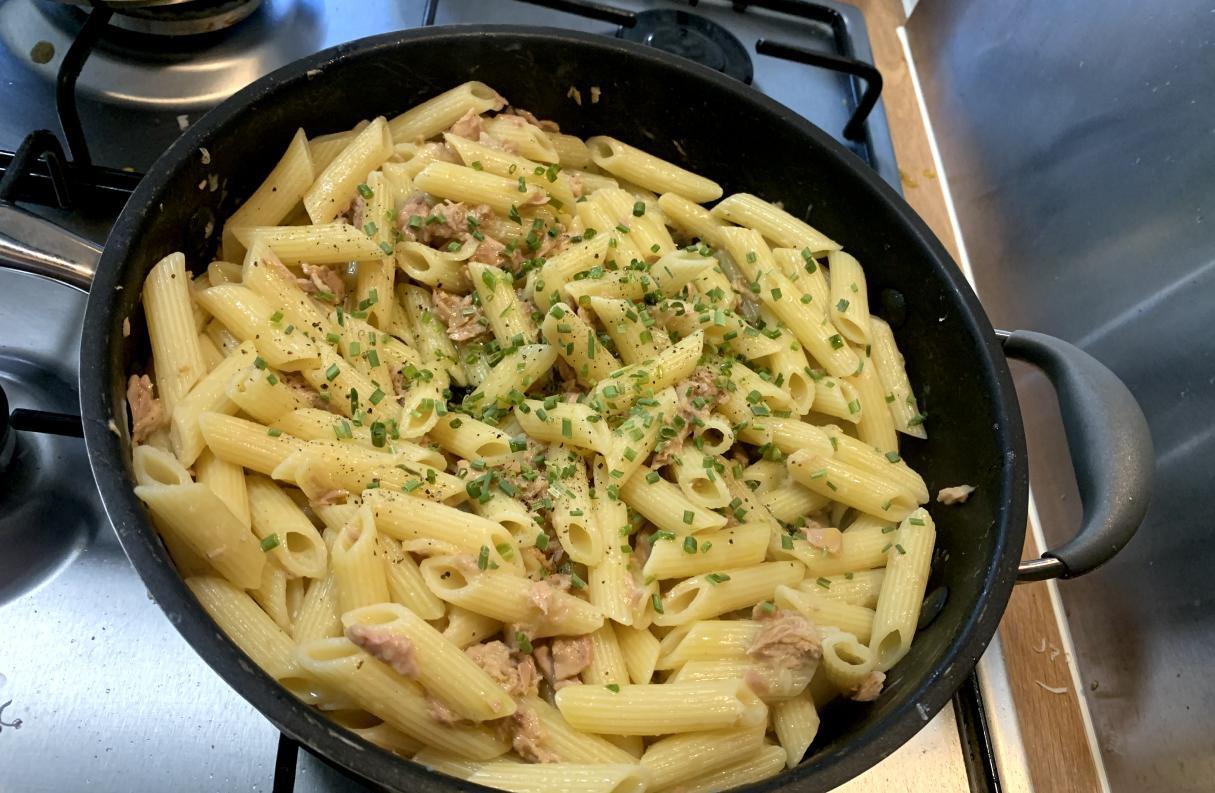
(177, 17)
(692, 37)
(48, 505)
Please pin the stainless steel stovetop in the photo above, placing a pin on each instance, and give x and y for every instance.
(97, 690)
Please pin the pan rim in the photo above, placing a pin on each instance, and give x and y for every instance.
(106, 449)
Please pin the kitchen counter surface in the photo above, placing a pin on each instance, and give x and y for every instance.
(1050, 711)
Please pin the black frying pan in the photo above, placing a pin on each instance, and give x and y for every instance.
(725, 130)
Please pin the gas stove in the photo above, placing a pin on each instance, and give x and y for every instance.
(97, 690)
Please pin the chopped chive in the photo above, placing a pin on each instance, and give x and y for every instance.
(899, 548)
(688, 516)
(269, 542)
(854, 406)
(893, 457)
(274, 432)
(542, 541)
(638, 209)
(717, 578)
(656, 601)
(786, 542)
(652, 477)
(613, 687)
(483, 557)
(837, 341)
(522, 642)
(916, 521)
(332, 372)
(841, 306)
(365, 191)
(823, 582)
(689, 545)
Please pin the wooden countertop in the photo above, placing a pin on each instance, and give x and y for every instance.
(1048, 706)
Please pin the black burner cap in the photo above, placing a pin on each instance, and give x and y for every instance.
(692, 37)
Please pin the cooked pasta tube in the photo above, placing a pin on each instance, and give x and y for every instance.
(770, 683)
(195, 515)
(328, 243)
(610, 583)
(276, 196)
(430, 528)
(738, 546)
(509, 598)
(246, 443)
(294, 542)
(875, 425)
(576, 343)
(397, 700)
(847, 484)
(766, 762)
(678, 757)
(622, 160)
(239, 616)
(539, 778)
(696, 473)
(436, 114)
(892, 371)
(824, 612)
(778, 226)
(357, 563)
(664, 504)
(640, 649)
(716, 593)
(566, 423)
(706, 640)
(169, 312)
(655, 709)
(405, 583)
(226, 481)
(572, 514)
(442, 669)
(902, 593)
(795, 722)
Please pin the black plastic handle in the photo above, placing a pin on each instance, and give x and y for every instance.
(1111, 451)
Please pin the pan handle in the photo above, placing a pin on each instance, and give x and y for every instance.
(36, 245)
(1111, 451)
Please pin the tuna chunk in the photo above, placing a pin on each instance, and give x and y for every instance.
(385, 645)
(516, 675)
(563, 659)
(869, 688)
(469, 125)
(438, 711)
(147, 415)
(542, 592)
(526, 735)
(785, 640)
(321, 278)
(463, 319)
(530, 118)
(828, 539)
(954, 495)
(296, 382)
(700, 384)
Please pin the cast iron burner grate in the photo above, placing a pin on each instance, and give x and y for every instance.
(693, 37)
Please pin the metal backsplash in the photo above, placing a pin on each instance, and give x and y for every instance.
(1079, 143)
